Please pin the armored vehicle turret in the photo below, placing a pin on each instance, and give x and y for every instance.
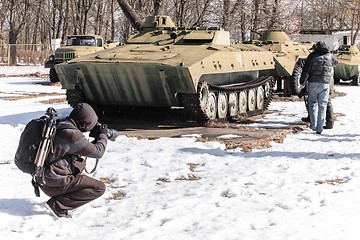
(165, 66)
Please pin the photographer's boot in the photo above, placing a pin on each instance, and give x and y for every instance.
(54, 209)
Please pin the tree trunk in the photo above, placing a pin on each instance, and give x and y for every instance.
(355, 25)
(180, 12)
(158, 7)
(65, 27)
(12, 42)
(273, 16)
(256, 15)
(112, 10)
(226, 15)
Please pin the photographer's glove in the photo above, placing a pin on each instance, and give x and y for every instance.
(103, 128)
(110, 133)
(97, 130)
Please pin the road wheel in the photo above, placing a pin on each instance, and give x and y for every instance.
(211, 108)
(242, 102)
(251, 100)
(233, 104)
(203, 96)
(260, 98)
(222, 105)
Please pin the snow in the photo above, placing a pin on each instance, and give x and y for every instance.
(19, 70)
(307, 187)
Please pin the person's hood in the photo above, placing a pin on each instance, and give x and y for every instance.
(321, 47)
(84, 116)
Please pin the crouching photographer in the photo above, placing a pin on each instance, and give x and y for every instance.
(65, 184)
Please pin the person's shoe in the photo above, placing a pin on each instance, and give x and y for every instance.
(305, 119)
(318, 132)
(55, 211)
(327, 127)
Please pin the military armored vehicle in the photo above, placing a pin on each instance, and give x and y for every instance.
(75, 46)
(288, 56)
(165, 66)
(348, 68)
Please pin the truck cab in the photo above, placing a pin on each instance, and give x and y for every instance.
(75, 46)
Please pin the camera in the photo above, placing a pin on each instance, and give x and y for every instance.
(103, 128)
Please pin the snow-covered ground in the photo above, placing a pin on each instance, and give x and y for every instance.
(20, 70)
(307, 187)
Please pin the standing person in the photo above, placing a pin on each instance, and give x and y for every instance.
(64, 183)
(317, 74)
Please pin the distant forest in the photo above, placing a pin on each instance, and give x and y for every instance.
(39, 21)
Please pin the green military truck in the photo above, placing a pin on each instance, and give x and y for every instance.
(75, 46)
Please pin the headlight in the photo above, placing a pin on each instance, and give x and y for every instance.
(51, 58)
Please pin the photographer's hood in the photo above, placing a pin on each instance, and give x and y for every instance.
(84, 116)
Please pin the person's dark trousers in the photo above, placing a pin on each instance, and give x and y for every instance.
(81, 190)
(329, 119)
(355, 80)
(306, 119)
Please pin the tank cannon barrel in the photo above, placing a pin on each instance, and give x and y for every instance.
(130, 14)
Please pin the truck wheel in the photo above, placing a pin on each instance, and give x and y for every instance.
(53, 75)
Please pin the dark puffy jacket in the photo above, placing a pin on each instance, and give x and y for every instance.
(319, 65)
(70, 145)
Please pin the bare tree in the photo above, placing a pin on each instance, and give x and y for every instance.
(354, 9)
(229, 12)
(17, 18)
(38, 21)
(158, 7)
